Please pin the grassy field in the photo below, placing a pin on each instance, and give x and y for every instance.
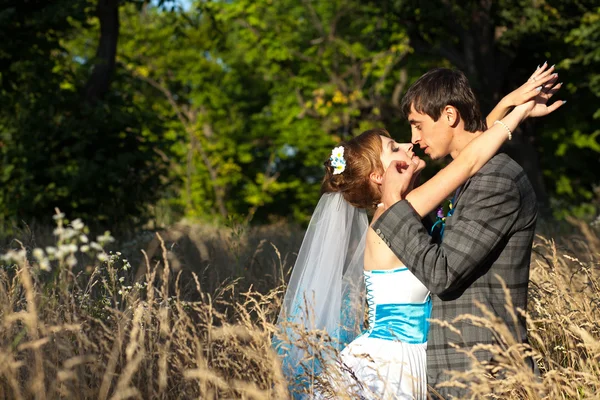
(190, 313)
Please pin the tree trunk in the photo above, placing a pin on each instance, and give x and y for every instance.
(104, 67)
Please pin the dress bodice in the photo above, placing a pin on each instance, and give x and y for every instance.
(399, 306)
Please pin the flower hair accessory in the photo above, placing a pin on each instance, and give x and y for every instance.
(337, 160)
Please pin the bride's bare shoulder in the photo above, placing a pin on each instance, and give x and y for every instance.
(377, 214)
(378, 255)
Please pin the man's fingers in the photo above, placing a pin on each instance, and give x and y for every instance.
(394, 166)
(401, 165)
(397, 165)
(408, 169)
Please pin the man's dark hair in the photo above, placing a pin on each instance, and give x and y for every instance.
(441, 87)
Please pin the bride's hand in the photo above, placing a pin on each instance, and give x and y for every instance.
(535, 93)
(542, 77)
(540, 107)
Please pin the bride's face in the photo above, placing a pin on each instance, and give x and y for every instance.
(400, 152)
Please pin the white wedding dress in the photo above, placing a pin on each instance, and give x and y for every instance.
(325, 299)
(388, 361)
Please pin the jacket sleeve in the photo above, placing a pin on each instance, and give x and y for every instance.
(484, 217)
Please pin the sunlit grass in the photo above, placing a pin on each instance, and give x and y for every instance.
(192, 316)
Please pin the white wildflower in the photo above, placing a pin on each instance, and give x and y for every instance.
(38, 254)
(106, 238)
(83, 238)
(77, 224)
(102, 257)
(69, 233)
(85, 248)
(71, 261)
(45, 265)
(58, 216)
(12, 255)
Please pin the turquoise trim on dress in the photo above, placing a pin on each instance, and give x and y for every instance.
(370, 301)
(385, 271)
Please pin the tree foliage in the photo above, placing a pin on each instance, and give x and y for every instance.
(217, 109)
(59, 149)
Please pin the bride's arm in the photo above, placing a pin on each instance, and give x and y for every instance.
(479, 151)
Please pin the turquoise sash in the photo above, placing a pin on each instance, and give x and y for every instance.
(407, 323)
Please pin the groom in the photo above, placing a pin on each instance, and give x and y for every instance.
(489, 234)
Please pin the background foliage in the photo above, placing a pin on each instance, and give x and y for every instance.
(124, 112)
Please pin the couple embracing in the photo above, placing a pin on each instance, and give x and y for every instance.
(408, 272)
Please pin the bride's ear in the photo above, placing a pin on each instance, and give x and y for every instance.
(376, 177)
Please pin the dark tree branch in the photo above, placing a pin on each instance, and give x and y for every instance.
(103, 70)
(399, 88)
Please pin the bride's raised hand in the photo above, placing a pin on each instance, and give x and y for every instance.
(533, 95)
(527, 91)
(540, 107)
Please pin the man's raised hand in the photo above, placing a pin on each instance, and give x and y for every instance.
(396, 182)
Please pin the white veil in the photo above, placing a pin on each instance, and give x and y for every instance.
(326, 289)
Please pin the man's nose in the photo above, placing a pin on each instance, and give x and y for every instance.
(415, 137)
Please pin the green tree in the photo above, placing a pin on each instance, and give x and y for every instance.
(67, 140)
(332, 73)
(575, 175)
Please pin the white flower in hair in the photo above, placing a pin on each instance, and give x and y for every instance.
(337, 160)
(338, 152)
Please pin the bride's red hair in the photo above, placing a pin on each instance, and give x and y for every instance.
(363, 156)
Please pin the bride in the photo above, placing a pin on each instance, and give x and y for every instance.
(342, 261)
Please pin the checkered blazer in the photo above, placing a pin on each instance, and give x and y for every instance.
(491, 232)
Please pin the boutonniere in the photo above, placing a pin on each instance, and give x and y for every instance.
(446, 210)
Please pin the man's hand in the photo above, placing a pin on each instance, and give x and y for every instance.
(396, 182)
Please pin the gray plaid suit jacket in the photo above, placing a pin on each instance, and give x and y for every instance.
(491, 232)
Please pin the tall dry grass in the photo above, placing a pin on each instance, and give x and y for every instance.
(192, 316)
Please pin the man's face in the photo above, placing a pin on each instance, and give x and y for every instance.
(434, 137)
